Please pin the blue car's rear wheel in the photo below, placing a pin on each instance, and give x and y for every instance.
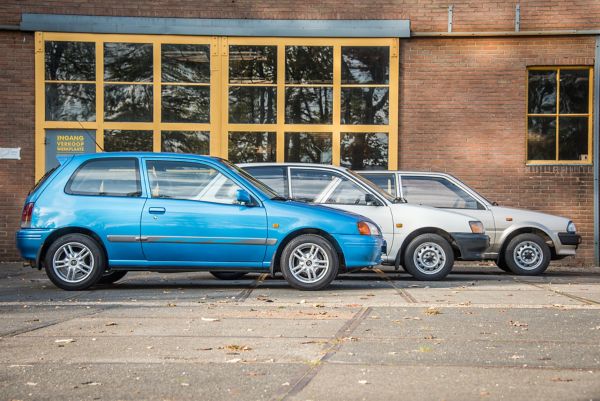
(74, 262)
(309, 262)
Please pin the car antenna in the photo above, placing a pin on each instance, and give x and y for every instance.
(93, 138)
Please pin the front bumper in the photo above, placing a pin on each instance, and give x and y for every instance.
(471, 246)
(361, 250)
(569, 239)
(30, 242)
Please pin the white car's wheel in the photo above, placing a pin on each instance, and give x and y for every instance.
(527, 255)
(429, 257)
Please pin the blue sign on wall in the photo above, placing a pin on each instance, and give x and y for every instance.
(62, 142)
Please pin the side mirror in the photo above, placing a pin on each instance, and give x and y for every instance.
(371, 200)
(243, 197)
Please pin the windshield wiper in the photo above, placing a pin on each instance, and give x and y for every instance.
(400, 199)
(280, 198)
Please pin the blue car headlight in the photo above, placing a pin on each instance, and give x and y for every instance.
(368, 228)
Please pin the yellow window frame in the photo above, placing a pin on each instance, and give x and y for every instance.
(557, 115)
(219, 126)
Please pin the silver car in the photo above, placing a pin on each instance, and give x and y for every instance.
(424, 240)
(521, 241)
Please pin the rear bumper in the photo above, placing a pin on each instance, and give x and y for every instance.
(472, 246)
(361, 250)
(569, 239)
(30, 242)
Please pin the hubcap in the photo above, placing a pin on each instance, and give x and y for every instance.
(73, 262)
(308, 263)
(429, 258)
(528, 255)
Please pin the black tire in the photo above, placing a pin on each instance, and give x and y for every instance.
(112, 276)
(501, 263)
(428, 257)
(95, 260)
(527, 255)
(228, 275)
(325, 254)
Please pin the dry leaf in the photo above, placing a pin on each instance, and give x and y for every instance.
(433, 311)
(64, 341)
(210, 319)
(363, 382)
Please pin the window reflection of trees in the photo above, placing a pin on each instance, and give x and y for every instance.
(252, 147)
(365, 106)
(542, 92)
(70, 61)
(185, 63)
(252, 104)
(185, 104)
(303, 147)
(127, 141)
(197, 142)
(365, 65)
(70, 102)
(252, 64)
(128, 62)
(364, 151)
(308, 105)
(309, 64)
(128, 103)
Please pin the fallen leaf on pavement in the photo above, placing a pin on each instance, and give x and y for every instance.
(432, 311)
(210, 319)
(64, 341)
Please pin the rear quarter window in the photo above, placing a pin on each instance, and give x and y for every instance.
(106, 177)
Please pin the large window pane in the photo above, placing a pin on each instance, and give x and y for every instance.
(364, 151)
(309, 64)
(185, 63)
(252, 147)
(574, 91)
(70, 61)
(541, 141)
(128, 103)
(197, 142)
(252, 104)
(181, 104)
(128, 62)
(252, 64)
(436, 192)
(308, 105)
(127, 141)
(308, 147)
(573, 137)
(365, 65)
(542, 92)
(326, 187)
(365, 106)
(70, 102)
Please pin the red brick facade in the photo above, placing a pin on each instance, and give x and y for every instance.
(462, 100)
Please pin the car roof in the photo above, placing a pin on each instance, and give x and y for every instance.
(271, 164)
(159, 155)
(404, 172)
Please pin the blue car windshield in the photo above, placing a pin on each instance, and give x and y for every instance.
(258, 184)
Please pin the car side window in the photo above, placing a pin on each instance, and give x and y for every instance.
(189, 181)
(387, 182)
(319, 186)
(106, 177)
(274, 177)
(436, 192)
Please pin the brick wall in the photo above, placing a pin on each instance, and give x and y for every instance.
(16, 130)
(462, 111)
(425, 15)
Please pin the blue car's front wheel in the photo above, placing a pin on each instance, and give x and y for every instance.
(309, 262)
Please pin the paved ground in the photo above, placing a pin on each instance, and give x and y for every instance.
(479, 335)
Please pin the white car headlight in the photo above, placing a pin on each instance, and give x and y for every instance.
(571, 227)
(477, 227)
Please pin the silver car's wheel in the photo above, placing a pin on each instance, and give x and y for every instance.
(308, 263)
(528, 255)
(73, 262)
(429, 258)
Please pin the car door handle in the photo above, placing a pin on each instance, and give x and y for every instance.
(157, 210)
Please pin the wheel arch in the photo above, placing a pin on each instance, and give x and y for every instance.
(65, 231)
(294, 234)
(426, 230)
(525, 230)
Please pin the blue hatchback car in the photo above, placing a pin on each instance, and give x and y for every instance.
(97, 216)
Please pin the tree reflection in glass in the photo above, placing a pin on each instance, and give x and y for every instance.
(197, 142)
(542, 92)
(541, 141)
(364, 151)
(70, 102)
(365, 106)
(181, 104)
(308, 147)
(128, 62)
(252, 104)
(308, 64)
(573, 137)
(128, 103)
(311, 105)
(185, 63)
(252, 64)
(365, 64)
(70, 61)
(127, 141)
(252, 147)
(574, 91)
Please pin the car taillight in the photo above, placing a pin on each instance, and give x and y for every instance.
(26, 215)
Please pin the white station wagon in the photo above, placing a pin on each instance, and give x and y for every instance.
(424, 240)
(521, 241)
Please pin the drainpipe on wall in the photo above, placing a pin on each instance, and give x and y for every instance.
(596, 140)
